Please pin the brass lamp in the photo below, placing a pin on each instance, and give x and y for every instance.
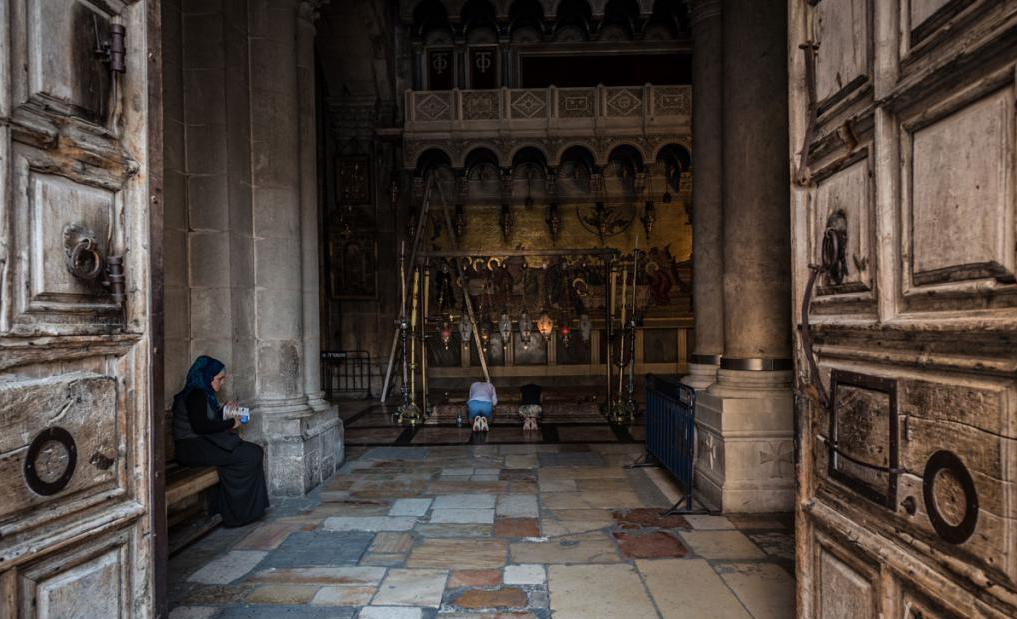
(545, 324)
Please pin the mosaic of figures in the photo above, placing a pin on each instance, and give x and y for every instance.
(566, 286)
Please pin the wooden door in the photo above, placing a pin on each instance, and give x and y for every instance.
(907, 421)
(75, 293)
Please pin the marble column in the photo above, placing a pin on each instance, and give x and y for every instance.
(707, 177)
(746, 417)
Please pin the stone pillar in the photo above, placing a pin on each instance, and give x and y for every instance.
(707, 178)
(280, 401)
(746, 417)
(324, 427)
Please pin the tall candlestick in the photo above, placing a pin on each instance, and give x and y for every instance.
(413, 337)
(614, 290)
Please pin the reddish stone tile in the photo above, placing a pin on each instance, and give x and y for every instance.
(508, 597)
(649, 517)
(463, 487)
(474, 578)
(267, 536)
(649, 545)
(518, 475)
(516, 527)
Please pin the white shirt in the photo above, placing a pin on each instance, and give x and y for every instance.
(483, 392)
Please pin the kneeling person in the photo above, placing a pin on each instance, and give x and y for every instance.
(480, 406)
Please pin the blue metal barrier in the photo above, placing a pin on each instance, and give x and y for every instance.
(671, 431)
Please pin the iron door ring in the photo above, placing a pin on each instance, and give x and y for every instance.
(948, 461)
(53, 486)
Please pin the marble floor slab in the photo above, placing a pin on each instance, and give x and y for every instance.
(725, 545)
(410, 507)
(462, 516)
(763, 588)
(584, 591)
(702, 592)
(459, 554)
(369, 523)
(408, 587)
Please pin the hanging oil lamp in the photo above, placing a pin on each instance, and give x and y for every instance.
(525, 329)
(601, 220)
(506, 222)
(505, 327)
(545, 324)
(585, 326)
(553, 220)
(566, 333)
(485, 334)
(459, 221)
(649, 217)
(446, 334)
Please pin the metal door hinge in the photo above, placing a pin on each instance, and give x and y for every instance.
(112, 50)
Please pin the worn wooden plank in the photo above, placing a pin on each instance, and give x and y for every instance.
(184, 482)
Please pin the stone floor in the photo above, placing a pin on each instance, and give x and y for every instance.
(562, 530)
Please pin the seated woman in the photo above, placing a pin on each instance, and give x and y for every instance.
(204, 438)
(480, 406)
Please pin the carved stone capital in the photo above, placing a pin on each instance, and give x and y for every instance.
(307, 10)
(704, 10)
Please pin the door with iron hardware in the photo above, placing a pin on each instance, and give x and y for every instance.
(75, 348)
(903, 211)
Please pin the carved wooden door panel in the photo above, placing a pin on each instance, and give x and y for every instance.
(903, 213)
(75, 538)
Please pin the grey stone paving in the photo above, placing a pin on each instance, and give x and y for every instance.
(318, 548)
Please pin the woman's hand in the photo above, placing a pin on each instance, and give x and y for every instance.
(236, 423)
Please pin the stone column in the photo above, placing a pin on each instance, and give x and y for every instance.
(280, 400)
(323, 431)
(746, 417)
(707, 177)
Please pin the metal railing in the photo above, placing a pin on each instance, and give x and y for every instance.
(346, 372)
(671, 431)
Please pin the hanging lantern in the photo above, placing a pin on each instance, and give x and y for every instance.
(446, 334)
(505, 327)
(465, 330)
(525, 329)
(485, 334)
(506, 219)
(566, 333)
(585, 326)
(459, 221)
(545, 324)
(649, 217)
(553, 220)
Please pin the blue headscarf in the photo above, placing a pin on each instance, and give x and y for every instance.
(200, 376)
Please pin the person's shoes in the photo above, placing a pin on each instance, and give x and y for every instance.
(483, 424)
(478, 424)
